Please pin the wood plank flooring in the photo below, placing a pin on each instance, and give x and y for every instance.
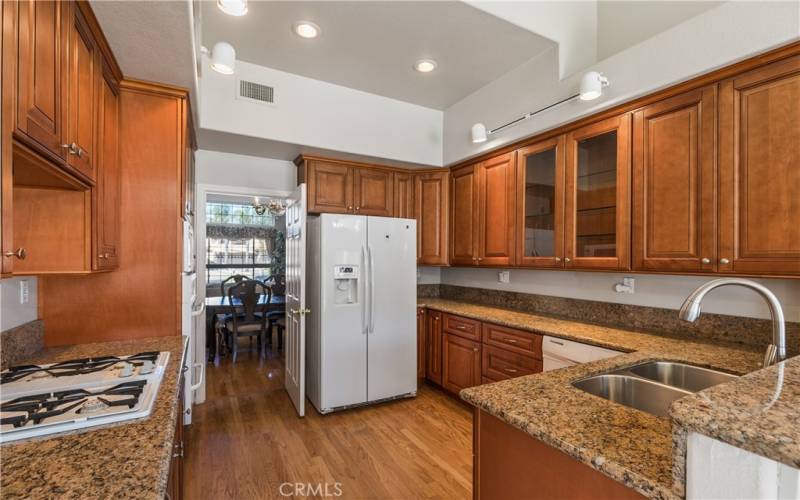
(246, 441)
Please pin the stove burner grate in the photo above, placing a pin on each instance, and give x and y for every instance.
(76, 366)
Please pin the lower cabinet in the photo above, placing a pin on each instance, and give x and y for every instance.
(421, 345)
(461, 363)
(433, 347)
(175, 479)
(500, 364)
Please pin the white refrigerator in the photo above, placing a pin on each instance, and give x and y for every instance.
(361, 335)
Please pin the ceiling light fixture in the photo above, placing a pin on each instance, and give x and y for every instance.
(306, 29)
(223, 58)
(591, 88)
(233, 7)
(425, 65)
(274, 207)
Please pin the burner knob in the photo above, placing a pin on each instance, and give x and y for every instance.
(127, 370)
(147, 367)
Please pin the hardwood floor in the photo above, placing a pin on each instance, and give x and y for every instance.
(246, 442)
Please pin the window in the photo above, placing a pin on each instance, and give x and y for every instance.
(239, 241)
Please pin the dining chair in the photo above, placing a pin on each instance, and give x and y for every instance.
(248, 313)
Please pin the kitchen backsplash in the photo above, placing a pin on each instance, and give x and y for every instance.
(20, 342)
(722, 327)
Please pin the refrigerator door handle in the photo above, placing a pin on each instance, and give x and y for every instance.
(364, 300)
(371, 290)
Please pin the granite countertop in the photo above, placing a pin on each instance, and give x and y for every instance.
(630, 446)
(124, 460)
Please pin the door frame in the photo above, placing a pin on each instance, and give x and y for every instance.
(201, 197)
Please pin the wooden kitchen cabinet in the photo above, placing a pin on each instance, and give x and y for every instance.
(433, 351)
(461, 363)
(674, 172)
(42, 28)
(597, 202)
(174, 489)
(107, 191)
(431, 194)
(464, 228)
(330, 187)
(759, 170)
(500, 364)
(421, 344)
(540, 204)
(404, 195)
(83, 83)
(373, 192)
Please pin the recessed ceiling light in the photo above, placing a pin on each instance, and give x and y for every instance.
(425, 65)
(233, 7)
(306, 29)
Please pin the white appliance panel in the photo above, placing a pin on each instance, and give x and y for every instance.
(392, 339)
(343, 344)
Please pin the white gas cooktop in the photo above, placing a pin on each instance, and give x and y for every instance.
(37, 400)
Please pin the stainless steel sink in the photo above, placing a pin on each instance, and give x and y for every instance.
(632, 391)
(680, 375)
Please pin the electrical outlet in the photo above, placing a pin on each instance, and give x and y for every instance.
(628, 285)
(24, 295)
(504, 277)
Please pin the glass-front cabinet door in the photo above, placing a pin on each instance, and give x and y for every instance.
(597, 212)
(540, 204)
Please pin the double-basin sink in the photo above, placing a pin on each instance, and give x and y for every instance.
(652, 386)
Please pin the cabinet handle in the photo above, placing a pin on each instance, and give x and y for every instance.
(724, 261)
(510, 370)
(104, 255)
(705, 260)
(19, 253)
(461, 327)
(567, 259)
(556, 342)
(73, 149)
(510, 341)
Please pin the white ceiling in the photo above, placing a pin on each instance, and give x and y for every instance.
(372, 45)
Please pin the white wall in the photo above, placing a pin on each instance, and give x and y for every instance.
(321, 115)
(228, 169)
(715, 38)
(651, 290)
(12, 313)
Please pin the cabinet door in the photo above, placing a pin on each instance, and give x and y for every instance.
(464, 216)
(106, 193)
(42, 31)
(330, 187)
(83, 82)
(759, 177)
(501, 364)
(431, 193)
(597, 212)
(374, 192)
(403, 195)
(496, 215)
(540, 204)
(674, 209)
(433, 353)
(421, 345)
(461, 363)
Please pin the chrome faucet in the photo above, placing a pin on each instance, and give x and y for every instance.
(776, 351)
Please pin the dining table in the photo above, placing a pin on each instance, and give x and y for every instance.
(222, 305)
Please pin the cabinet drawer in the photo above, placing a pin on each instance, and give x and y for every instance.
(517, 341)
(463, 327)
(500, 364)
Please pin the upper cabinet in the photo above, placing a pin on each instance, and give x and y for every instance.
(330, 186)
(597, 202)
(540, 204)
(42, 28)
(106, 195)
(404, 195)
(496, 215)
(759, 180)
(83, 85)
(674, 172)
(431, 192)
(373, 191)
(464, 228)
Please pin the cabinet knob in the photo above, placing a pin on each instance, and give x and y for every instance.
(724, 261)
(480, 259)
(567, 259)
(358, 208)
(104, 255)
(73, 149)
(350, 207)
(558, 259)
(705, 260)
(474, 349)
(19, 253)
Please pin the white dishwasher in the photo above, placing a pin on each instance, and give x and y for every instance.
(560, 353)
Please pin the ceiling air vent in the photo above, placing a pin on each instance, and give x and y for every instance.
(257, 92)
